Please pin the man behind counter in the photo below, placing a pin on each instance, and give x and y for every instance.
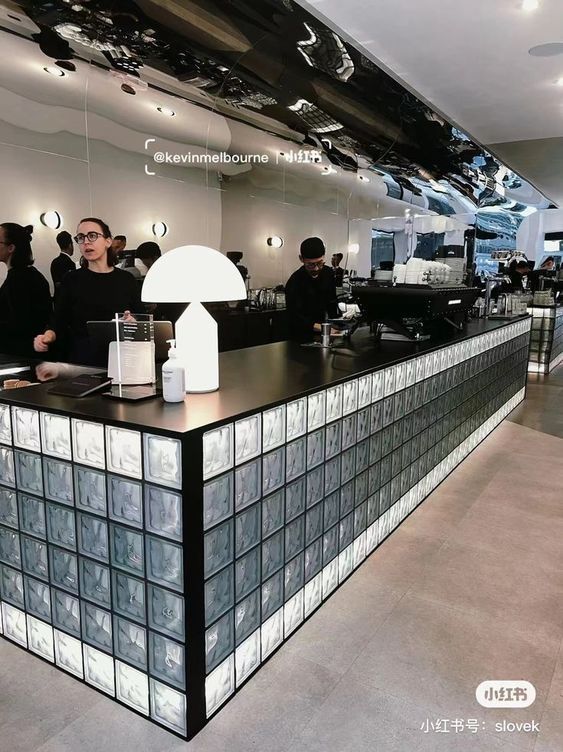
(310, 293)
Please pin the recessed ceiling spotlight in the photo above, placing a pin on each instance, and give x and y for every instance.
(52, 70)
(559, 81)
(126, 89)
(363, 178)
(327, 170)
(530, 5)
(166, 111)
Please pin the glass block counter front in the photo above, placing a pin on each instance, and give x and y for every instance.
(164, 570)
(546, 342)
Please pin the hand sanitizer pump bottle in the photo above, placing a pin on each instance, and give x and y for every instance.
(173, 376)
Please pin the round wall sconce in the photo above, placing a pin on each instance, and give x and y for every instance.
(354, 248)
(275, 241)
(159, 229)
(363, 178)
(166, 111)
(51, 219)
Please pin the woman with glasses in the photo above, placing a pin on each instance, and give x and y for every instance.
(25, 299)
(310, 293)
(95, 292)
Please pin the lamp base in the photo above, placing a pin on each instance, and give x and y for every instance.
(197, 345)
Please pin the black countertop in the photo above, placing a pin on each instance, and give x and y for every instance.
(250, 379)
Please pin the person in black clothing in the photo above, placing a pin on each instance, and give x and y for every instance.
(95, 292)
(310, 293)
(517, 273)
(25, 299)
(337, 269)
(236, 257)
(62, 264)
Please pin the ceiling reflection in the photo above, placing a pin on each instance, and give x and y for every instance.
(273, 65)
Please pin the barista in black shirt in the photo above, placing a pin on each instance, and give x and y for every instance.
(310, 293)
(95, 292)
(62, 264)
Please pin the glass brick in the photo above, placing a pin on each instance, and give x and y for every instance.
(315, 448)
(315, 486)
(90, 488)
(217, 500)
(349, 430)
(295, 499)
(316, 410)
(34, 557)
(312, 595)
(40, 637)
(346, 532)
(350, 397)
(273, 428)
(128, 596)
(272, 633)
(218, 451)
(313, 559)
(360, 519)
(219, 641)
(377, 386)
(5, 425)
(95, 582)
(64, 569)
(25, 424)
(167, 660)
(8, 508)
(331, 509)
(361, 488)
(166, 612)
(15, 627)
(218, 548)
(11, 586)
(293, 613)
(248, 484)
(362, 456)
(347, 498)
(123, 451)
(333, 439)
(29, 474)
(163, 512)
(10, 547)
(219, 685)
(248, 438)
(294, 537)
(295, 459)
(330, 544)
(38, 598)
(88, 443)
(55, 431)
(273, 470)
(99, 670)
(163, 460)
(130, 642)
(272, 554)
(273, 513)
(125, 500)
(132, 687)
(247, 530)
(127, 550)
(296, 412)
(363, 424)
(68, 653)
(247, 616)
(247, 573)
(92, 537)
(334, 403)
(314, 524)
(66, 612)
(294, 574)
(332, 475)
(164, 563)
(272, 594)
(219, 594)
(96, 626)
(168, 707)
(7, 467)
(247, 657)
(364, 391)
(376, 417)
(61, 528)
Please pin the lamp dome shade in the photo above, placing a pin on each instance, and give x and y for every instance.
(193, 273)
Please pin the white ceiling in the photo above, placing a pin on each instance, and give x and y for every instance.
(470, 60)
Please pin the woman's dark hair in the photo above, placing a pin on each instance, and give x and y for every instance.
(106, 232)
(549, 259)
(20, 237)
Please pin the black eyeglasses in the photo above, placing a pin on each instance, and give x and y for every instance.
(91, 236)
(313, 264)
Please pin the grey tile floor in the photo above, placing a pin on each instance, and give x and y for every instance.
(469, 588)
